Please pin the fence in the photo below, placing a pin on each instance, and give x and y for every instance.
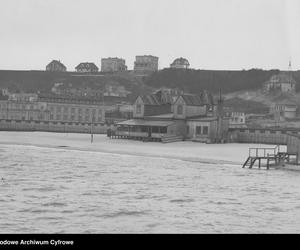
(67, 127)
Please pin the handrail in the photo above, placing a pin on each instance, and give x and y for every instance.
(274, 150)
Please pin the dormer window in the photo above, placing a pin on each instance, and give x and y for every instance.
(138, 108)
(179, 110)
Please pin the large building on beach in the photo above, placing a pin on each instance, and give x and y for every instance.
(51, 112)
(187, 117)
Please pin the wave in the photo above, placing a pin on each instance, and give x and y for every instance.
(124, 213)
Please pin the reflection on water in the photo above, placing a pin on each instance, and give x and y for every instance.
(67, 191)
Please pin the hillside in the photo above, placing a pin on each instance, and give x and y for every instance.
(241, 88)
(195, 80)
(33, 81)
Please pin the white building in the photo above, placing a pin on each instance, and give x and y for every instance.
(282, 82)
(284, 110)
(180, 63)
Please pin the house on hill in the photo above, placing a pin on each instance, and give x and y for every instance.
(282, 82)
(283, 110)
(87, 68)
(113, 64)
(56, 66)
(180, 63)
(145, 64)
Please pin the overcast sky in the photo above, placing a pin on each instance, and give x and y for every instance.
(211, 34)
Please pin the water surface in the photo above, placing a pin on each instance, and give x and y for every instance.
(48, 190)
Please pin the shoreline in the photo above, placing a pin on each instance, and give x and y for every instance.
(231, 153)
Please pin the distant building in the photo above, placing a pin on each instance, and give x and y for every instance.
(283, 110)
(87, 68)
(180, 63)
(56, 66)
(236, 119)
(113, 64)
(146, 64)
(115, 89)
(282, 82)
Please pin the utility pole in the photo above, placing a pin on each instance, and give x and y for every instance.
(92, 135)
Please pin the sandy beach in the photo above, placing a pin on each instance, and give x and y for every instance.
(232, 153)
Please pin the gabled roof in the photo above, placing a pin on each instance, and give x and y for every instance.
(150, 100)
(204, 98)
(87, 65)
(158, 98)
(57, 62)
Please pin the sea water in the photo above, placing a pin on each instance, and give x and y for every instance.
(58, 190)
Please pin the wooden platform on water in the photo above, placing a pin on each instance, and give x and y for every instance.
(269, 156)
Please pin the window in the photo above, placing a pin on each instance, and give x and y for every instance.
(163, 130)
(66, 109)
(205, 130)
(57, 117)
(179, 110)
(155, 130)
(72, 110)
(51, 117)
(58, 109)
(187, 129)
(198, 130)
(139, 109)
(65, 117)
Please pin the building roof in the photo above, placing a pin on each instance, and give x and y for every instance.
(57, 62)
(204, 98)
(69, 99)
(162, 116)
(142, 122)
(160, 97)
(203, 119)
(87, 65)
(181, 61)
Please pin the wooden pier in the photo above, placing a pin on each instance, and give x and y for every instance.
(269, 156)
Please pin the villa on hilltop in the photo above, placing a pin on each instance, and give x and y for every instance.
(180, 63)
(146, 64)
(87, 68)
(56, 66)
(113, 64)
(282, 82)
